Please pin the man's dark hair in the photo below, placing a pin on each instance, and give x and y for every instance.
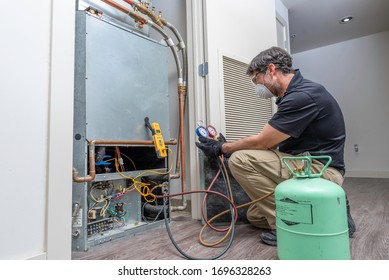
(278, 56)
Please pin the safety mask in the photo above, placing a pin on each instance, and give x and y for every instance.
(262, 91)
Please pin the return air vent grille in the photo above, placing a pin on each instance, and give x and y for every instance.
(245, 112)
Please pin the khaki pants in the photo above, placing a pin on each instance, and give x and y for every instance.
(259, 172)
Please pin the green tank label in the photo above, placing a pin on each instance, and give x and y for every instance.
(291, 212)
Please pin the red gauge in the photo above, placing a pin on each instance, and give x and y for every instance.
(211, 131)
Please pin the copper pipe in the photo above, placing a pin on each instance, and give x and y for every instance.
(144, 10)
(182, 96)
(123, 9)
(120, 159)
(92, 168)
(129, 143)
(181, 46)
(116, 6)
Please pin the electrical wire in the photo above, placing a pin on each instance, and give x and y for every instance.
(136, 183)
(144, 190)
(129, 159)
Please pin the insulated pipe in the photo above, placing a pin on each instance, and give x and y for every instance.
(170, 43)
(92, 167)
(181, 46)
(182, 97)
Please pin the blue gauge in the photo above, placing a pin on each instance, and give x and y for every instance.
(201, 131)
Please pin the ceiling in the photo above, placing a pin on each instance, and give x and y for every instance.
(315, 23)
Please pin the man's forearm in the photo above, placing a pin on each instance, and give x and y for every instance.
(247, 143)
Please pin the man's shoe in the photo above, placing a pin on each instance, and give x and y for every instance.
(269, 237)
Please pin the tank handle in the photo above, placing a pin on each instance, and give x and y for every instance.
(305, 172)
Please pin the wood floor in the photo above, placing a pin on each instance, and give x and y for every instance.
(369, 200)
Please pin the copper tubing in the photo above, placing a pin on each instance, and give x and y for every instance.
(116, 6)
(156, 19)
(181, 46)
(182, 96)
(123, 9)
(92, 168)
(129, 143)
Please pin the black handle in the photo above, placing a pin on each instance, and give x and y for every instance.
(148, 125)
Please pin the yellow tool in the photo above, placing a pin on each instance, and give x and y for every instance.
(159, 143)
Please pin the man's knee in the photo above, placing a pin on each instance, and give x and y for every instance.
(235, 161)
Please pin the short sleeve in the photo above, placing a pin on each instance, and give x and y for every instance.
(295, 113)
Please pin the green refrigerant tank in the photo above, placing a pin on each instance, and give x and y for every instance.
(311, 216)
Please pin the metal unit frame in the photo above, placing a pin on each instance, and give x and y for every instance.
(120, 78)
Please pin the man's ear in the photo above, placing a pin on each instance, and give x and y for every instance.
(272, 68)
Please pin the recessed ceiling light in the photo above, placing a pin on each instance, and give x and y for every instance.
(346, 19)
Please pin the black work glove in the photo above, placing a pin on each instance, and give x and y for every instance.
(210, 147)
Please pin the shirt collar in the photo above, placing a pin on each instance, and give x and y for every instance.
(297, 78)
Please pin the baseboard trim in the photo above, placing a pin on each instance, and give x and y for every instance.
(367, 174)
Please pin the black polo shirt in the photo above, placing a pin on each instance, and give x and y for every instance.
(313, 119)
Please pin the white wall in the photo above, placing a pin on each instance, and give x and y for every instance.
(241, 29)
(356, 72)
(36, 113)
(238, 29)
(282, 10)
(24, 72)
